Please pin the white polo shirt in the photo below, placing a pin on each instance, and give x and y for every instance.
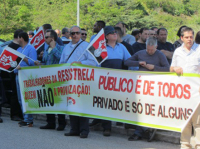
(189, 61)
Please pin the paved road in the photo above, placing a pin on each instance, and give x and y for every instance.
(14, 137)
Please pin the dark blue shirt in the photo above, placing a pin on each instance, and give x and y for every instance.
(137, 47)
(166, 46)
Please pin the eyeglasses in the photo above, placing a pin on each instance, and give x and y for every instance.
(84, 34)
(73, 33)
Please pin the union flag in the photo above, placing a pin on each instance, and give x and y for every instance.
(38, 39)
(10, 59)
(97, 47)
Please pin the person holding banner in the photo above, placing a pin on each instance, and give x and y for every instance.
(117, 54)
(75, 52)
(186, 59)
(31, 55)
(150, 59)
(52, 56)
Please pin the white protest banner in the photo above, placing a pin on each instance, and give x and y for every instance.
(151, 99)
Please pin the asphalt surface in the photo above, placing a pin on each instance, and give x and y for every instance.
(14, 137)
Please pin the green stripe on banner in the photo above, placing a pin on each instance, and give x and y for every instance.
(107, 118)
(130, 71)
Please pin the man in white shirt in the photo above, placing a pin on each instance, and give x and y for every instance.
(186, 59)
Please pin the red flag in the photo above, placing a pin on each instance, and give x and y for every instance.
(97, 47)
(10, 59)
(38, 40)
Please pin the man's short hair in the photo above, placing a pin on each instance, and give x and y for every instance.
(123, 24)
(179, 31)
(161, 29)
(65, 30)
(31, 33)
(83, 29)
(143, 29)
(186, 29)
(197, 38)
(47, 26)
(135, 32)
(119, 31)
(102, 24)
(151, 41)
(16, 33)
(153, 28)
(24, 35)
(73, 27)
(52, 34)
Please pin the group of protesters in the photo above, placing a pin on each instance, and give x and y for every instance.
(146, 49)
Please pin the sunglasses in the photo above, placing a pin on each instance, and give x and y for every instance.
(113, 32)
(84, 34)
(73, 33)
(47, 37)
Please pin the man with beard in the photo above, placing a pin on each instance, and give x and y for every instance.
(165, 47)
(97, 27)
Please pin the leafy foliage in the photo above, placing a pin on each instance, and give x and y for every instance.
(29, 14)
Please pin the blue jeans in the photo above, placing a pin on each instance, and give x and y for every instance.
(27, 117)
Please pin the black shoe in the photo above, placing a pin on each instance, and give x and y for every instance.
(83, 136)
(151, 134)
(15, 118)
(71, 134)
(48, 127)
(1, 120)
(134, 137)
(22, 123)
(61, 128)
(106, 133)
(95, 122)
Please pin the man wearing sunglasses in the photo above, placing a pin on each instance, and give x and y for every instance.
(51, 56)
(83, 34)
(75, 52)
(117, 54)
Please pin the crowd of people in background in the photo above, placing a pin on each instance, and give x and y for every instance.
(146, 49)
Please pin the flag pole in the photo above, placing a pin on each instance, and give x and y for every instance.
(81, 55)
(77, 12)
(30, 58)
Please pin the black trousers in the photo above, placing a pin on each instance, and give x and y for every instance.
(79, 125)
(2, 94)
(106, 124)
(15, 109)
(51, 119)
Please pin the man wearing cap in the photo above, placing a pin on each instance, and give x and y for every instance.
(75, 52)
(117, 54)
(126, 37)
